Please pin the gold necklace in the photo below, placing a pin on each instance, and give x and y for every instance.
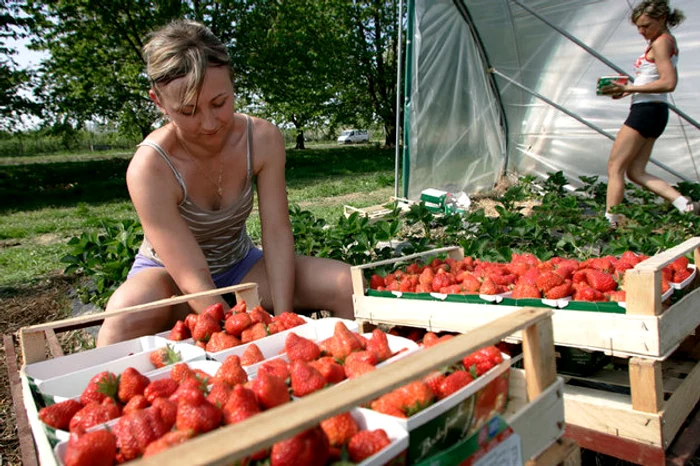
(217, 185)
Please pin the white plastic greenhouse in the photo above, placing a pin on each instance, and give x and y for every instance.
(497, 86)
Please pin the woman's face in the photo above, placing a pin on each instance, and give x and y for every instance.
(651, 28)
(212, 115)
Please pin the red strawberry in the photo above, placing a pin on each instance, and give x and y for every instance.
(198, 415)
(482, 360)
(305, 379)
(179, 332)
(366, 443)
(389, 403)
(167, 410)
(329, 369)
(219, 394)
(239, 308)
(216, 311)
(601, 281)
(289, 320)
(681, 275)
(376, 281)
(619, 296)
(433, 380)
(524, 290)
(191, 389)
(340, 429)
(254, 332)
(587, 293)
(93, 414)
(270, 391)
(191, 321)
(252, 355)
(300, 348)
(548, 280)
(560, 291)
(430, 339)
(164, 356)
(454, 382)
(135, 431)
(131, 383)
(277, 367)
(180, 372)
(135, 403)
(309, 448)
(368, 357)
(415, 396)
(236, 323)
(259, 315)
(169, 440)
(680, 264)
(231, 371)
(357, 368)
(488, 287)
(220, 341)
(160, 388)
(241, 405)
(344, 342)
(59, 415)
(379, 345)
(101, 386)
(206, 327)
(97, 448)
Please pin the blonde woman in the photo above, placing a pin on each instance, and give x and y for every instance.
(192, 184)
(655, 77)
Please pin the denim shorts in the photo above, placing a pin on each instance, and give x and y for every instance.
(232, 276)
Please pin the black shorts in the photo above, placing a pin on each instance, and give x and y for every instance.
(648, 118)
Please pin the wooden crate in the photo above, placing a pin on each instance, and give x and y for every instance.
(535, 408)
(646, 329)
(376, 212)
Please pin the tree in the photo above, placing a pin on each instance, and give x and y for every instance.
(291, 56)
(13, 81)
(372, 56)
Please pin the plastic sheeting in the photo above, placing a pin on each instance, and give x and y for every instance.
(456, 139)
(455, 136)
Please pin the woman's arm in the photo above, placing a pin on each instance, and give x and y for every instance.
(277, 239)
(155, 194)
(668, 75)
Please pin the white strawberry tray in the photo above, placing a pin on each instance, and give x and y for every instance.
(72, 383)
(56, 367)
(210, 367)
(687, 281)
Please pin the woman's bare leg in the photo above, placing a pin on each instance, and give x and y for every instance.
(626, 148)
(636, 171)
(146, 286)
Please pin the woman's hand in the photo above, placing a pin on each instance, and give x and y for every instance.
(617, 91)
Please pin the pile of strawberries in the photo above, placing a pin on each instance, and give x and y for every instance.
(216, 330)
(156, 415)
(415, 396)
(526, 276)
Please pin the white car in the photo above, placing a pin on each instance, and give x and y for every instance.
(353, 136)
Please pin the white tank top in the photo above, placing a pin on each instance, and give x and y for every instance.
(647, 72)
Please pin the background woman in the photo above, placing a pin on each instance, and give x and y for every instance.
(192, 184)
(655, 77)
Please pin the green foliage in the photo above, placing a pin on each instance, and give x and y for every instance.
(105, 258)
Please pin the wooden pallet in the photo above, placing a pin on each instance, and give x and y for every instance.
(535, 408)
(646, 330)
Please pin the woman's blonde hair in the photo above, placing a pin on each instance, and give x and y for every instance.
(183, 49)
(658, 9)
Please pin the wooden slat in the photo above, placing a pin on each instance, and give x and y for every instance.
(680, 405)
(646, 386)
(60, 324)
(643, 290)
(565, 452)
(454, 252)
(54, 346)
(661, 260)
(239, 440)
(538, 357)
(24, 432)
(32, 345)
(683, 448)
(677, 322)
(612, 445)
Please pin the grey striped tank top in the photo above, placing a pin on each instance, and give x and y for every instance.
(222, 233)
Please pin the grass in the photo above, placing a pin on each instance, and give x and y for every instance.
(49, 199)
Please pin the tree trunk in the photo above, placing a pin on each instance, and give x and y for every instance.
(300, 140)
(390, 131)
